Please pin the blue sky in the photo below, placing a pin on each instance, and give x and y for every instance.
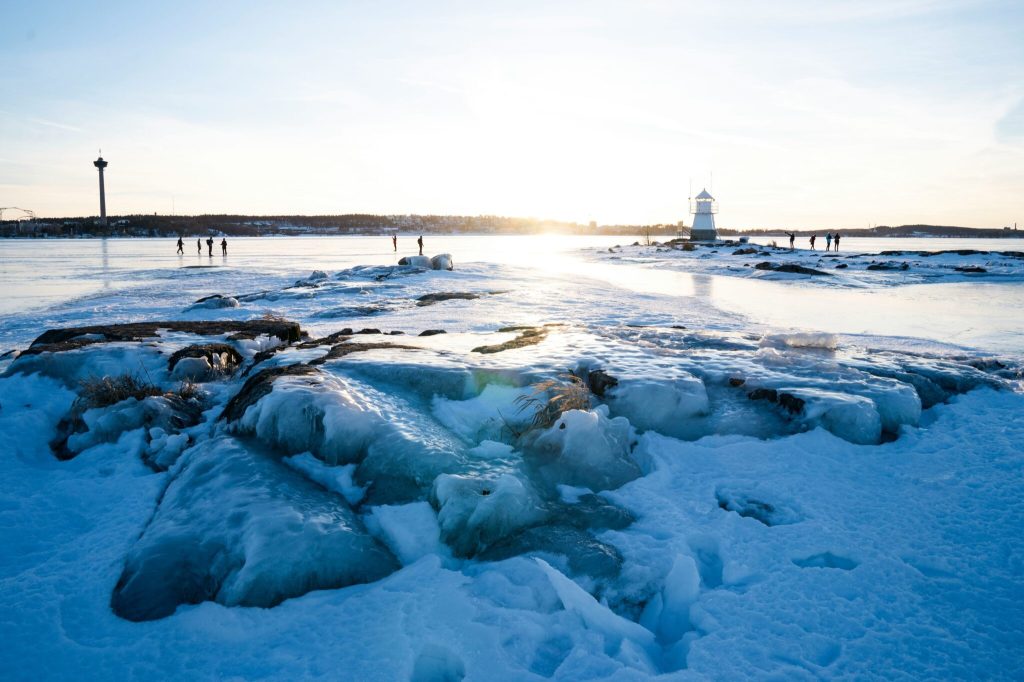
(809, 114)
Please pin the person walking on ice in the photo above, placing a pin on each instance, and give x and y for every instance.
(792, 239)
(420, 242)
(199, 246)
(394, 242)
(828, 241)
(209, 245)
(224, 246)
(181, 246)
(813, 237)
(837, 242)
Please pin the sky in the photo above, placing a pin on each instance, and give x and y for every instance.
(796, 114)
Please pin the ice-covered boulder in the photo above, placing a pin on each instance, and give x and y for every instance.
(314, 412)
(659, 405)
(416, 261)
(442, 261)
(474, 513)
(214, 302)
(202, 362)
(586, 448)
(238, 527)
(851, 417)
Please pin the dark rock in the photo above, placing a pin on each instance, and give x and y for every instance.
(970, 268)
(56, 340)
(736, 382)
(842, 266)
(430, 299)
(888, 266)
(599, 381)
(792, 268)
(745, 251)
(368, 330)
(432, 332)
(342, 349)
(769, 394)
(529, 336)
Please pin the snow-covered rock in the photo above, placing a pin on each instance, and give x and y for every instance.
(474, 513)
(662, 406)
(586, 448)
(238, 527)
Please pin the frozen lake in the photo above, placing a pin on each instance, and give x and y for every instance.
(41, 277)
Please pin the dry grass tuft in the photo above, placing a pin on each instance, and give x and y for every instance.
(552, 397)
(109, 390)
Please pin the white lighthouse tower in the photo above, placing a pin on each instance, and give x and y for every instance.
(703, 207)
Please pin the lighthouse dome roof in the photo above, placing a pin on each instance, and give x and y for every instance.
(704, 195)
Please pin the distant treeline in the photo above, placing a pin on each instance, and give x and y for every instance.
(241, 225)
(901, 231)
(356, 223)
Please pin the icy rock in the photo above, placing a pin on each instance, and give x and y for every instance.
(314, 278)
(474, 512)
(661, 406)
(238, 527)
(214, 302)
(192, 369)
(851, 417)
(586, 448)
(319, 413)
(416, 261)
(167, 413)
(202, 362)
(442, 261)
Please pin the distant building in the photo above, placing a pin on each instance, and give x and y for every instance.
(703, 207)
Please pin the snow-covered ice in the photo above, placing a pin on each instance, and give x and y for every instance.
(716, 497)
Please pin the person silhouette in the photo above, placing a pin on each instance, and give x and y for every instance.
(181, 246)
(837, 242)
(394, 242)
(813, 237)
(420, 242)
(792, 238)
(224, 246)
(209, 245)
(199, 246)
(828, 241)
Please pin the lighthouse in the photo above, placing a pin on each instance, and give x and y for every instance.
(100, 165)
(703, 207)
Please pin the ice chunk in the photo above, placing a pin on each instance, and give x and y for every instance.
(164, 448)
(662, 406)
(410, 530)
(681, 589)
(587, 449)
(595, 616)
(238, 527)
(416, 261)
(820, 340)
(475, 512)
(339, 479)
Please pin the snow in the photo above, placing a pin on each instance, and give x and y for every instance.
(748, 502)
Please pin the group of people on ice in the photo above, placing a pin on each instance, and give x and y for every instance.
(829, 238)
(209, 246)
